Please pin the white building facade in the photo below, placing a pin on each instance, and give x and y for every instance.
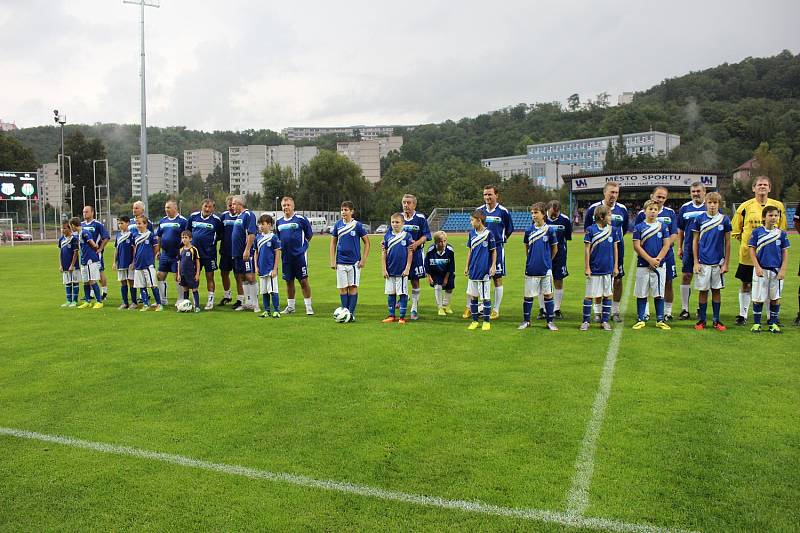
(202, 161)
(162, 174)
(367, 154)
(246, 163)
(50, 185)
(366, 133)
(545, 174)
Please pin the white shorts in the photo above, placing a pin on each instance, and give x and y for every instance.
(68, 277)
(144, 278)
(538, 285)
(709, 277)
(396, 285)
(599, 286)
(766, 288)
(347, 276)
(90, 272)
(650, 282)
(124, 274)
(480, 288)
(268, 284)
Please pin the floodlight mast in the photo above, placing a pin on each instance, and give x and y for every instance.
(143, 134)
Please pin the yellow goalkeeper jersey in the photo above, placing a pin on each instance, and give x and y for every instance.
(747, 218)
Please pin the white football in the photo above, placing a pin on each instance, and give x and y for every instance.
(341, 314)
(184, 306)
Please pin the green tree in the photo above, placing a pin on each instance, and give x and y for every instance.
(574, 102)
(217, 178)
(83, 152)
(278, 182)
(769, 165)
(329, 179)
(14, 156)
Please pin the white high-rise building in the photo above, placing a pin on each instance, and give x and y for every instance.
(201, 160)
(162, 174)
(367, 154)
(246, 163)
(50, 185)
(365, 133)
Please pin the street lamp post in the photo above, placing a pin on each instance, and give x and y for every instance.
(276, 205)
(61, 119)
(98, 197)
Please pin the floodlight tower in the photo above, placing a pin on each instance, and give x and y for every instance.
(61, 119)
(143, 135)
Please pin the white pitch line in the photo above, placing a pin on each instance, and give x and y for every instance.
(536, 515)
(578, 496)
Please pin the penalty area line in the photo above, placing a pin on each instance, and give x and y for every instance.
(477, 507)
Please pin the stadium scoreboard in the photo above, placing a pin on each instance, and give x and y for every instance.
(18, 185)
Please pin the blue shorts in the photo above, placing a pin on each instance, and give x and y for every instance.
(167, 263)
(560, 266)
(189, 283)
(500, 265)
(294, 267)
(209, 264)
(621, 260)
(225, 262)
(417, 265)
(439, 280)
(687, 267)
(240, 266)
(669, 262)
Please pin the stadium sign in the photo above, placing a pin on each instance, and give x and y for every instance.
(643, 180)
(18, 186)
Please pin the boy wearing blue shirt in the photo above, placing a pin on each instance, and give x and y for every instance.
(651, 240)
(416, 225)
(345, 256)
(711, 250)
(601, 259)
(440, 266)
(769, 250)
(189, 268)
(295, 232)
(207, 229)
(68, 259)
(144, 272)
(90, 266)
(541, 246)
(396, 258)
(123, 261)
(480, 268)
(168, 235)
(268, 255)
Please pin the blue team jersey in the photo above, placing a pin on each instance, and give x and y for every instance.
(666, 216)
(124, 247)
(711, 232)
(188, 266)
(562, 229)
(396, 246)
(437, 263)
(480, 259)
(601, 252)
(144, 251)
(266, 244)
(134, 230)
(540, 241)
(206, 231)
(244, 225)
(96, 230)
(348, 241)
(87, 252)
(618, 218)
(228, 221)
(651, 237)
(686, 216)
(169, 234)
(498, 221)
(769, 246)
(294, 233)
(416, 226)
(67, 247)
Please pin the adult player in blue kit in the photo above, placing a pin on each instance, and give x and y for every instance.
(99, 234)
(207, 228)
(225, 258)
(416, 225)
(562, 229)
(243, 250)
(498, 221)
(686, 215)
(294, 232)
(168, 234)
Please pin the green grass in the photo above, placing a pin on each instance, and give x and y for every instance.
(700, 430)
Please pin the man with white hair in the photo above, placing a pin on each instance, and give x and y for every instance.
(243, 250)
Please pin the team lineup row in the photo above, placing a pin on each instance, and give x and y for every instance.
(253, 249)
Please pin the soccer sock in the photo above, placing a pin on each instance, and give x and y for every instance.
(87, 292)
(587, 309)
(757, 308)
(437, 294)
(123, 289)
(265, 301)
(641, 306)
(527, 305)
(558, 297)
(667, 308)
(597, 308)
(68, 290)
(76, 290)
(211, 297)
(647, 308)
(343, 299)
(276, 302)
(686, 291)
(290, 303)
(606, 309)
(146, 297)
(615, 307)
(774, 309)
(227, 295)
(540, 297)
(487, 310)
(132, 290)
(659, 302)
(403, 305)
(473, 308)
(703, 309)
(744, 303)
(498, 297)
(196, 295)
(254, 293)
(392, 299)
(157, 295)
(715, 310)
(104, 291)
(307, 301)
(446, 298)
(240, 297)
(162, 288)
(180, 291)
(351, 304)
(97, 294)
(414, 299)
(549, 309)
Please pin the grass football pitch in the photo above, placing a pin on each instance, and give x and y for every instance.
(116, 420)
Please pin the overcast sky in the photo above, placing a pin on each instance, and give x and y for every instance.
(239, 64)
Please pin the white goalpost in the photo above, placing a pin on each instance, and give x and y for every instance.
(6, 231)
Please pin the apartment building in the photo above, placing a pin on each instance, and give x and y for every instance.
(162, 174)
(246, 163)
(202, 161)
(367, 154)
